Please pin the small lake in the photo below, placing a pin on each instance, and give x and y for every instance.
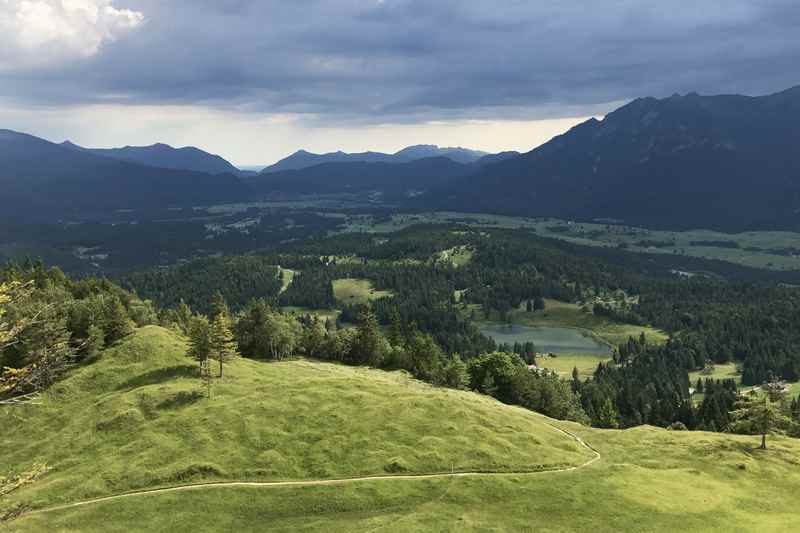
(546, 339)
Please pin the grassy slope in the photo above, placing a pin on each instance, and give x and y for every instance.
(647, 480)
(130, 421)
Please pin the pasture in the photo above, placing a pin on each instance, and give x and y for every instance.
(356, 291)
(568, 315)
(133, 420)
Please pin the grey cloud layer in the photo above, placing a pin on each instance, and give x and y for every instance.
(409, 60)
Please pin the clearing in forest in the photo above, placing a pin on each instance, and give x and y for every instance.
(357, 291)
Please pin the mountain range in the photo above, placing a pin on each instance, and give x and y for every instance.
(164, 156)
(303, 159)
(40, 178)
(726, 162)
(395, 181)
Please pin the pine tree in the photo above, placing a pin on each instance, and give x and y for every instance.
(607, 415)
(117, 324)
(368, 347)
(200, 340)
(223, 343)
(183, 317)
(758, 416)
(95, 341)
(576, 381)
(218, 305)
(395, 332)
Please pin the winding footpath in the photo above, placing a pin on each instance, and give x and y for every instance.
(277, 484)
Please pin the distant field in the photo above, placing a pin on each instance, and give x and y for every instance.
(563, 314)
(565, 363)
(726, 371)
(322, 314)
(457, 256)
(773, 250)
(288, 277)
(356, 291)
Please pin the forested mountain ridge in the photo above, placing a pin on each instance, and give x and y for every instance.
(727, 162)
(303, 159)
(40, 178)
(165, 156)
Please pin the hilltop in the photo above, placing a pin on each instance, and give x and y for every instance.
(133, 419)
(138, 419)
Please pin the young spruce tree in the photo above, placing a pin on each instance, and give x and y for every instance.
(223, 343)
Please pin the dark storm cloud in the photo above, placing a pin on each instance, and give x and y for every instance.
(409, 60)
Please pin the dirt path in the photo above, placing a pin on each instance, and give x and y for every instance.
(312, 482)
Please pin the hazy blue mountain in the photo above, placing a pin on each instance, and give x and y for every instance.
(165, 156)
(491, 159)
(457, 154)
(38, 177)
(303, 159)
(729, 162)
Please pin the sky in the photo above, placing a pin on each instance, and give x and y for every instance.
(254, 80)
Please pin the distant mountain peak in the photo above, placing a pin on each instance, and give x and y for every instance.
(163, 155)
(305, 159)
(42, 178)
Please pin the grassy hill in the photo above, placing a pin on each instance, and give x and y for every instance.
(133, 420)
(137, 418)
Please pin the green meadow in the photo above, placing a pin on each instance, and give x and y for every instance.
(356, 291)
(136, 418)
(568, 315)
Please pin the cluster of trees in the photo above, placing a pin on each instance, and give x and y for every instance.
(312, 288)
(162, 236)
(649, 385)
(758, 326)
(239, 279)
(506, 377)
(259, 331)
(526, 350)
(646, 388)
(50, 322)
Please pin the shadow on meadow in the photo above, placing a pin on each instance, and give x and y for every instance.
(160, 375)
